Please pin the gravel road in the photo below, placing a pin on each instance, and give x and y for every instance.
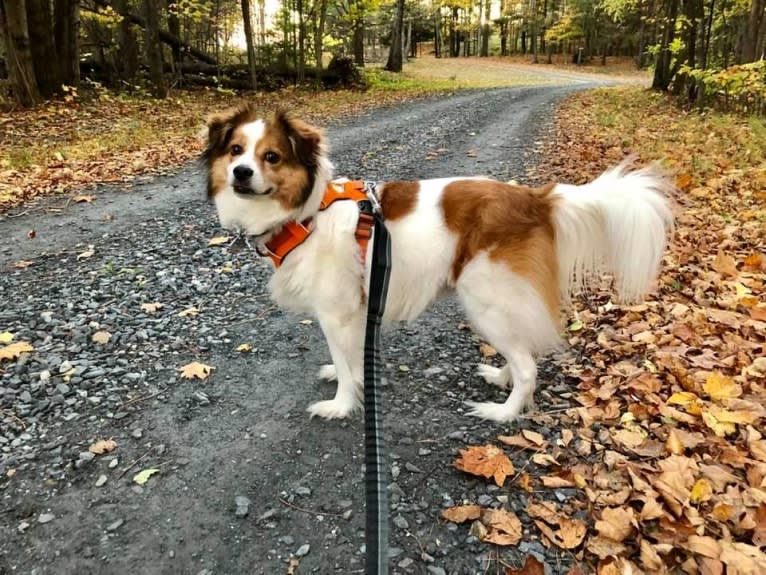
(246, 481)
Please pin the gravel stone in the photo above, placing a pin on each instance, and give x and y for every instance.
(243, 506)
(46, 518)
(114, 526)
(303, 550)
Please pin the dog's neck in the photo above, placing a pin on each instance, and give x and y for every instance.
(322, 178)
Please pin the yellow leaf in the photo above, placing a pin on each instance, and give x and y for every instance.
(14, 350)
(719, 387)
(101, 337)
(306, 322)
(720, 428)
(103, 446)
(195, 369)
(682, 398)
(701, 492)
(6, 337)
(218, 240)
(143, 476)
(576, 325)
(152, 307)
(741, 416)
(244, 347)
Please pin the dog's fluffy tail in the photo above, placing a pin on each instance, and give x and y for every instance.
(616, 224)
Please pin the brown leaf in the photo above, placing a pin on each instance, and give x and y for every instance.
(725, 264)
(603, 547)
(152, 307)
(504, 527)
(83, 199)
(21, 264)
(533, 436)
(218, 240)
(14, 350)
(616, 523)
(195, 369)
(487, 350)
(649, 556)
(570, 532)
(461, 513)
(485, 461)
(103, 446)
(531, 567)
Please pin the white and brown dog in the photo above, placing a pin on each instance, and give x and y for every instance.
(512, 254)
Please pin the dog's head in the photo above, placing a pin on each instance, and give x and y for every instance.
(263, 172)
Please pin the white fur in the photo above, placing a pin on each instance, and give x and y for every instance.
(616, 223)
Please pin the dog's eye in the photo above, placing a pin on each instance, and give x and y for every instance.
(271, 157)
(236, 150)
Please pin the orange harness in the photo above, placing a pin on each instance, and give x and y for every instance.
(294, 234)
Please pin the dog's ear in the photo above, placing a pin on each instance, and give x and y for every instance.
(220, 127)
(306, 140)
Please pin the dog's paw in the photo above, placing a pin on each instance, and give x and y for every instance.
(497, 376)
(332, 409)
(499, 412)
(328, 372)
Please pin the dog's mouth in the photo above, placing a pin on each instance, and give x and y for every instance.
(246, 190)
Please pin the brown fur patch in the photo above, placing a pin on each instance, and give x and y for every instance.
(220, 128)
(512, 223)
(397, 199)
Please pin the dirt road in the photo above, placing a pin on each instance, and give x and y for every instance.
(246, 481)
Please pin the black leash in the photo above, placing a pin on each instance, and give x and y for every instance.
(376, 531)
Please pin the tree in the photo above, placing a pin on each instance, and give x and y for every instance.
(394, 63)
(67, 34)
(663, 74)
(20, 67)
(44, 58)
(153, 48)
(249, 41)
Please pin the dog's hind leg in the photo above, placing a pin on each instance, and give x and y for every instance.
(498, 376)
(345, 338)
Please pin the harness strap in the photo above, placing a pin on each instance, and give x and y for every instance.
(376, 531)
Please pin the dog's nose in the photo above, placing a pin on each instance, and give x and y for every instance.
(242, 173)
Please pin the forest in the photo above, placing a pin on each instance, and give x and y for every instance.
(702, 50)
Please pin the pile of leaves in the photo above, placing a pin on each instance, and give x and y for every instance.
(72, 143)
(665, 446)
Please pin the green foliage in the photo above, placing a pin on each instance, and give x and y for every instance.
(742, 88)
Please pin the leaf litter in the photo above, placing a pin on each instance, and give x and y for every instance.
(663, 446)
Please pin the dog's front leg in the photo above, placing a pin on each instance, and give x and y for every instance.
(345, 338)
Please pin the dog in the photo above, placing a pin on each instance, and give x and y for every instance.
(512, 254)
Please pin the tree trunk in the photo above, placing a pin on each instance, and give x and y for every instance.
(174, 27)
(753, 32)
(20, 67)
(248, 23)
(662, 71)
(44, 60)
(394, 63)
(127, 60)
(486, 28)
(358, 37)
(153, 48)
(67, 33)
(301, 41)
(319, 35)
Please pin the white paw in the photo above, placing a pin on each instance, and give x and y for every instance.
(332, 408)
(499, 412)
(500, 377)
(328, 372)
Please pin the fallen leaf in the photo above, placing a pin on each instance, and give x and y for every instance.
(533, 436)
(673, 443)
(701, 492)
(244, 347)
(292, 566)
(143, 476)
(6, 337)
(720, 388)
(616, 523)
(22, 264)
(649, 556)
(725, 264)
(83, 199)
(570, 532)
(531, 567)
(485, 461)
(14, 350)
(218, 240)
(306, 321)
(461, 513)
(101, 337)
(504, 527)
(189, 312)
(487, 350)
(195, 369)
(152, 307)
(86, 254)
(103, 446)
